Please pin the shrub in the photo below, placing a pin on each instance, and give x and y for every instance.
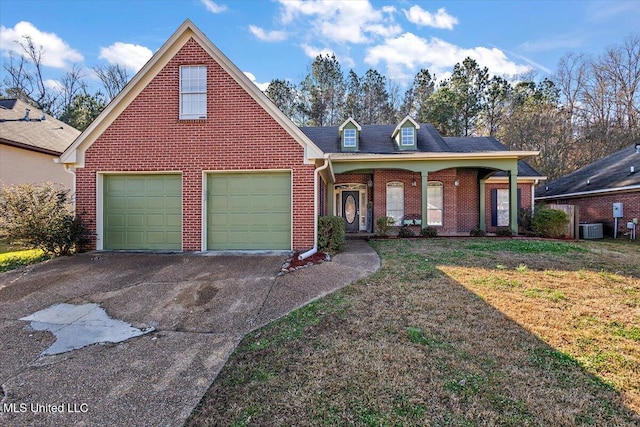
(39, 216)
(550, 222)
(504, 232)
(331, 233)
(477, 232)
(384, 224)
(525, 219)
(405, 231)
(429, 231)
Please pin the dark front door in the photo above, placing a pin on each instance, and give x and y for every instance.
(351, 209)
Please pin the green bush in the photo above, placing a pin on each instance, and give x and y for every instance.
(331, 233)
(39, 216)
(525, 219)
(504, 232)
(405, 231)
(384, 224)
(429, 231)
(550, 222)
(477, 232)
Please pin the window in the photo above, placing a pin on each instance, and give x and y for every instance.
(350, 138)
(502, 207)
(406, 136)
(193, 92)
(435, 203)
(395, 201)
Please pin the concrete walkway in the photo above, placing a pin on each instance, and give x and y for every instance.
(199, 306)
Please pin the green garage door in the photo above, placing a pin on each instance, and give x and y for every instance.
(142, 212)
(249, 210)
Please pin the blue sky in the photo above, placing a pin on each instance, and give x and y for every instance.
(278, 39)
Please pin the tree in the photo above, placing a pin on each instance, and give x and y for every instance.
(417, 96)
(376, 108)
(354, 100)
(82, 110)
(113, 77)
(495, 106)
(467, 83)
(284, 95)
(323, 91)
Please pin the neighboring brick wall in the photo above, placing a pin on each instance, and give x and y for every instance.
(237, 135)
(468, 197)
(600, 209)
(525, 201)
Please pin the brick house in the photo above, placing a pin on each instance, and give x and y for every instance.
(192, 156)
(596, 187)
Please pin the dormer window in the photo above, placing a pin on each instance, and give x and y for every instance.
(193, 92)
(406, 137)
(349, 135)
(350, 138)
(405, 134)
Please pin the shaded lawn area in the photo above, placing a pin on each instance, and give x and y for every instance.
(451, 332)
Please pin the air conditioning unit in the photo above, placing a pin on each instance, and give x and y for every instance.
(591, 231)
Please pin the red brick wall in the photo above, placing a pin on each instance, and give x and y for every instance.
(237, 135)
(600, 209)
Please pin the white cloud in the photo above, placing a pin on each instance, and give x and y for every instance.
(213, 7)
(131, 56)
(342, 21)
(424, 18)
(261, 86)
(312, 51)
(556, 42)
(53, 84)
(406, 54)
(56, 52)
(268, 36)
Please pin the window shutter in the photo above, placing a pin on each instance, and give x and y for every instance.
(494, 207)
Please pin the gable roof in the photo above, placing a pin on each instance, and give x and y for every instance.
(187, 31)
(609, 174)
(48, 136)
(415, 124)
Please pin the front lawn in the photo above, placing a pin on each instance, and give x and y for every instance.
(451, 332)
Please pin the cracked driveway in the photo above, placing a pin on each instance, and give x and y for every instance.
(200, 307)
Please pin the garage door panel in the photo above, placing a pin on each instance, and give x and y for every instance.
(249, 210)
(142, 212)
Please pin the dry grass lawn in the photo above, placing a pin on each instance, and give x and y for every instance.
(451, 332)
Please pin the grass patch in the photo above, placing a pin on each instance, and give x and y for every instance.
(15, 259)
(441, 335)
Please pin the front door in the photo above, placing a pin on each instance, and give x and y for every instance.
(351, 209)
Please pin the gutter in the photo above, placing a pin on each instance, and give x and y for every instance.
(590, 193)
(316, 173)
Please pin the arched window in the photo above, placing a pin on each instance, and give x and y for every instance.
(435, 203)
(395, 201)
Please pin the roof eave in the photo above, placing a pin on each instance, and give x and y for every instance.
(346, 157)
(590, 193)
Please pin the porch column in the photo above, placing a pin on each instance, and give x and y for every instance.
(330, 198)
(513, 199)
(425, 182)
(482, 217)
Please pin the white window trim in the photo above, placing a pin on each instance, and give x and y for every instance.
(353, 141)
(404, 138)
(400, 217)
(435, 184)
(502, 207)
(202, 114)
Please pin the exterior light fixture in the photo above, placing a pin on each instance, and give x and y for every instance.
(413, 182)
(456, 183)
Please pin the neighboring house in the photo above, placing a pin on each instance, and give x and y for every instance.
(596, 187)
(30, 141)
(192, 156)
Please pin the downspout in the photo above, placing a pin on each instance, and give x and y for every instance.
(316, 173)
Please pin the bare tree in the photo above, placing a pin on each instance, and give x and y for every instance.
(113, 77)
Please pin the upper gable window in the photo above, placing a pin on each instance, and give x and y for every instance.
(350, 138)
(193, 92)
(406, 137)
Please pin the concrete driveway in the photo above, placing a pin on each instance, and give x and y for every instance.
(200, 306)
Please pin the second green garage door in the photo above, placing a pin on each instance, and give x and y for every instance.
(142, 212)
(249, 211)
